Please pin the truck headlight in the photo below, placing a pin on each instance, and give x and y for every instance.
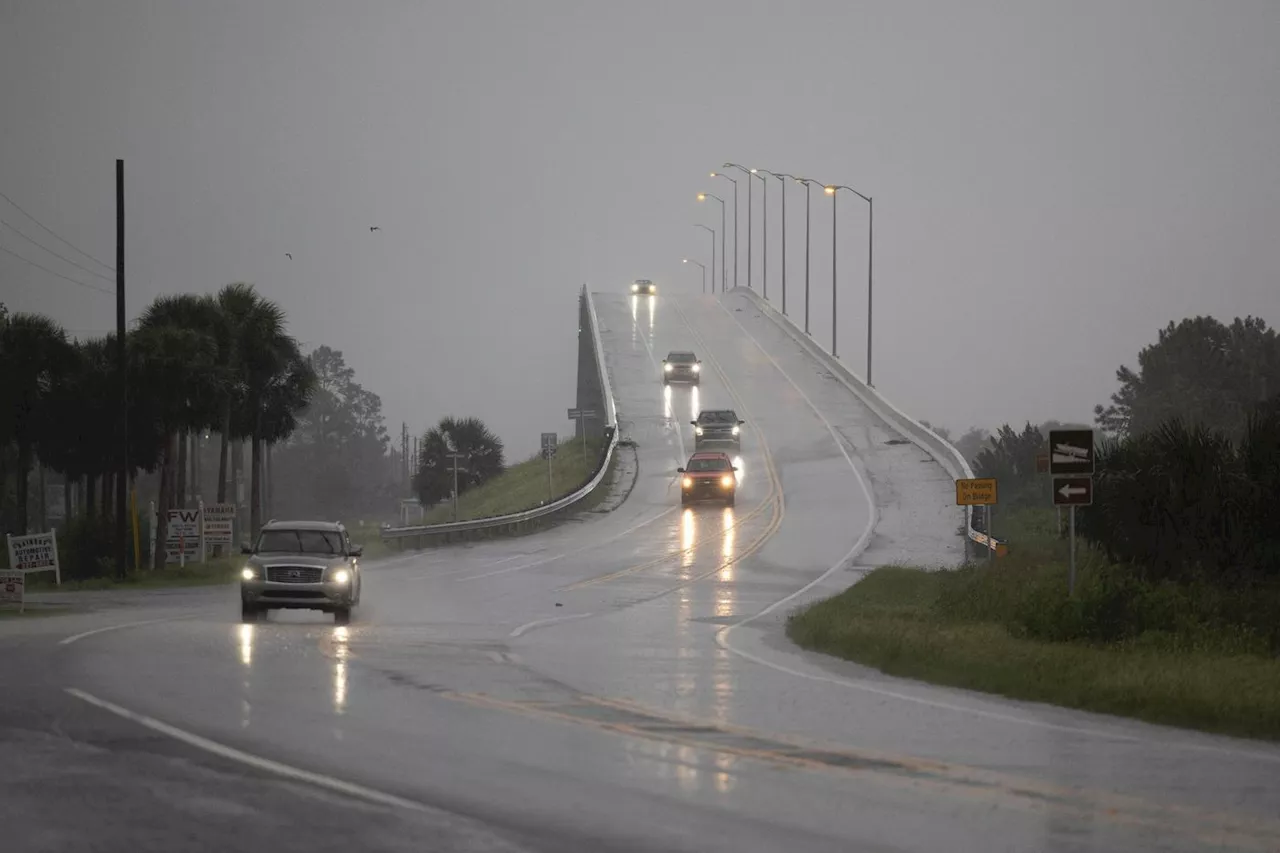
(688, 482)
(736, 430)
(341, 576)
(697, 368)
(727, 481)
(666, 368)
(697, 430)
(248, 573)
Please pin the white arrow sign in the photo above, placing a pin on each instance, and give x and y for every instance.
(1068, 491)
(1070, 453)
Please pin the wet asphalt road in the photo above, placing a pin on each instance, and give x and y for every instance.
(618, 684)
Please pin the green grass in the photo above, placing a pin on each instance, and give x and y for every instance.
(1172, 655)
(209, 573)
(524, 485)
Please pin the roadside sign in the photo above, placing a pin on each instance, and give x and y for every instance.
(977, 492)
(182, 538)
(13, 588)
(1071, 452)
(35, 553)
(575, 414)
(1042, 463)
(219, 524)
(549, 443)
(1073, 491)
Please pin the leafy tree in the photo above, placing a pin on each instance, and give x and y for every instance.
(433, 480)
(972, 442)
(35, 355)
(1011, 459)
(1199, 371)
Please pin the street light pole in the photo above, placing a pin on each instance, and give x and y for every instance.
(783, 178)
(764, 221)
(712, 231)
(834, 289)
(704, 272)
(808, 210)
(750, 229)
(723, 268)
(831, 191)
(733, 181)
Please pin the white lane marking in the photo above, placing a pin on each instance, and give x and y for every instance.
(66, 641)
(538, 623)
(287, 771)
(723, 634)
(552, 559)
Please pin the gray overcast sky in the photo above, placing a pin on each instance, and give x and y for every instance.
(1053, 181)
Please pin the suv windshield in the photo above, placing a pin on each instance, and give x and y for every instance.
(300, 542)
(718, 463)
(725, 417)
(681, 357)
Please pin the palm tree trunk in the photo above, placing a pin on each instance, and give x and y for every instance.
(24, 482)
(224, 450)
(184, 442)
(43, 501)
(68, 485)
(107, 492)
(90, 495)
(255, 485)
(162, 506)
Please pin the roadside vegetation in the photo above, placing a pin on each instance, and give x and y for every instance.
(1176, 613)
(524, 485)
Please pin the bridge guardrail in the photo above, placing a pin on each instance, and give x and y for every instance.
(951, 459)
(516, 520)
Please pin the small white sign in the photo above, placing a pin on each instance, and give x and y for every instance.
(37, 552)
(219, 524)
(182, 539)
(13, 586)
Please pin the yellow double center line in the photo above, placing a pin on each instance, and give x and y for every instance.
(773, 500)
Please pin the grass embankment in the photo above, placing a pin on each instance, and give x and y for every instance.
(1197, 657)
(524, 485)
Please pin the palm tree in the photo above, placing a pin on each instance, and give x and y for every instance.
(433, 480)
(34, 356)
(178, 367)
(285, 394)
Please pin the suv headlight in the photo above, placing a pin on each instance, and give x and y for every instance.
(635, 288)
(666, 368)
(687, 482)
(697, 430)
(726, 480)
(697, 368)
(736, 430)
(249, 573)
(340, 576)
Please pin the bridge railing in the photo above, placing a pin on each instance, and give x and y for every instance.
(423, 534)
(951, 459)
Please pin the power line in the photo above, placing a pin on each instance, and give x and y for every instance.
(54, 234)
(58, 274)
(52, 252)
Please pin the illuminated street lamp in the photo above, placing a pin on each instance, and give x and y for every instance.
(712, 232)
(723, 269)
(733, 181)
(750, 230)
(704, 272)
(831, 190)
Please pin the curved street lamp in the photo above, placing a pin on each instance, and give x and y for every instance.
(832, 190)
(712, 231)
(750, 230)
(723, 272)
(808, 209)
(704, 272)
(733, 181)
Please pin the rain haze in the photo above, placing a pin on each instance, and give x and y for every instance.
(1052, 183)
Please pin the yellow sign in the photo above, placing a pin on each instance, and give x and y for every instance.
(979, 492)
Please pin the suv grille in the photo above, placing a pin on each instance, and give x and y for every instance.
(294, 574)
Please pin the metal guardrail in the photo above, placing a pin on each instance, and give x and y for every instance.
(951, 459)
(516, 520)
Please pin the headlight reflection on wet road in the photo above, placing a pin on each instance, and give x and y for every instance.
(688, 534)
(341, 652)
(726, 548)
(246, 644)
(666, 402)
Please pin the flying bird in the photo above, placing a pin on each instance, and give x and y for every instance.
(289, 255)
(373, 228)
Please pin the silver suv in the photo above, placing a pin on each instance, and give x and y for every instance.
(301, 565)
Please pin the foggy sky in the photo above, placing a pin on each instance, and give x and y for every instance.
(1053, 181)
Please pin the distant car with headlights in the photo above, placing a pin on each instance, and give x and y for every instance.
(643, 287)
(681, 367)
(717, 426)
(708, 476)
(301, 565)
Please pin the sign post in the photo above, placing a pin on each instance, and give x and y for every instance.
(581, 415)
(549, 443)
(1071, 464)
(455, 456)
(982, 492)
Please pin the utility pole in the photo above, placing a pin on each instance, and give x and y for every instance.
(122, 371)
(404, 455)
